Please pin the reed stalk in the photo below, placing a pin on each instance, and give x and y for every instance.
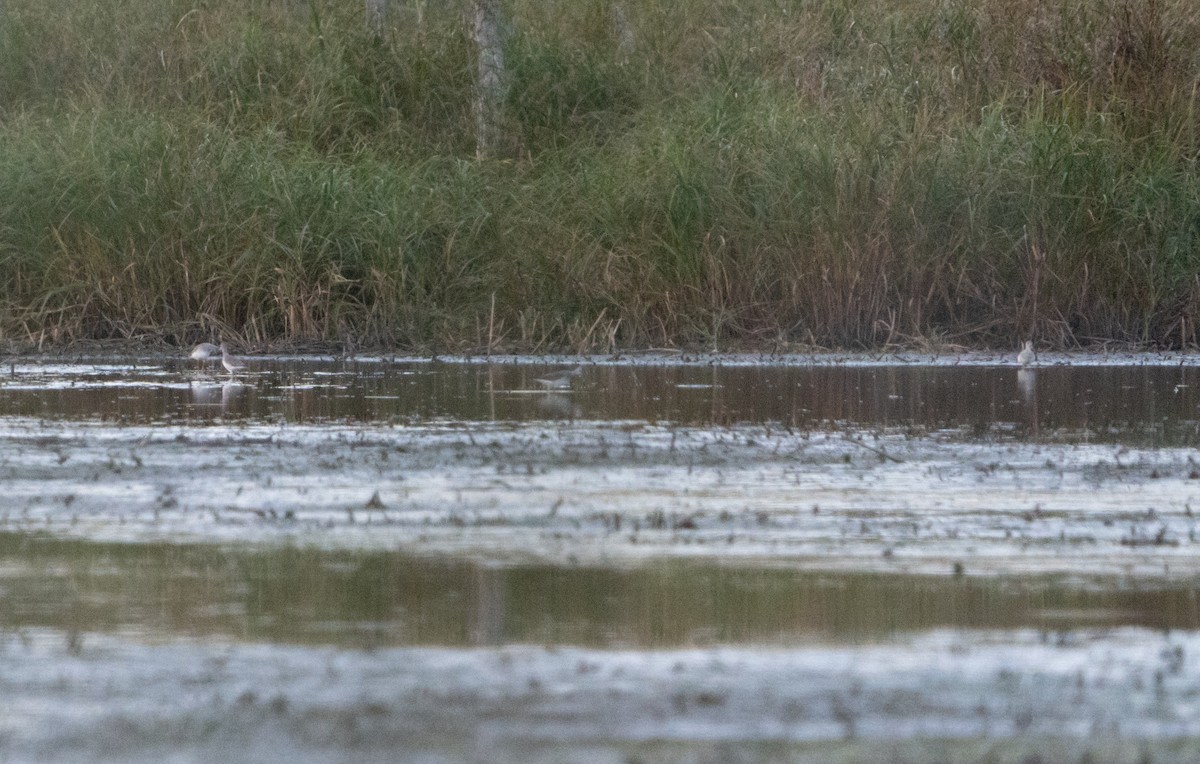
(841, 174)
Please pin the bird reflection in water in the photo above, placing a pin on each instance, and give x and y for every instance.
(223, 395)
(1027, 384)
(205, 394)
(559, 405)
(231, 393)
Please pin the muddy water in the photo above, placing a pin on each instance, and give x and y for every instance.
(378, 599)
(439, 561)
(1151, 405)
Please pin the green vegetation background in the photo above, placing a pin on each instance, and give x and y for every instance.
(840, 173)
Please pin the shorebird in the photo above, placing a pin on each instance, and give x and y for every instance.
(231, 362)
(203, 352)
(1026, 356)
(559, 380)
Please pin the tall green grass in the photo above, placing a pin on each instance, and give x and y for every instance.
(851, 173)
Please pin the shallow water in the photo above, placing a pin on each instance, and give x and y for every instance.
(857, 559)
(386, 599)
(1144, 405)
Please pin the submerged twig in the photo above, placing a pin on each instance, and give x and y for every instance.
(882, 453)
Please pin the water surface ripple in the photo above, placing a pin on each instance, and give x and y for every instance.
(444, 561)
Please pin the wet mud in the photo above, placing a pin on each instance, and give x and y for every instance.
(800, 562)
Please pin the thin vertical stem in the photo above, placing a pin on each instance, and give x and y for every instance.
(376, 17)
(489, 86)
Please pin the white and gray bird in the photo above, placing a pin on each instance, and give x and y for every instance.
(231, 362)
(1026, 356)
(559, 380)
(204, 351)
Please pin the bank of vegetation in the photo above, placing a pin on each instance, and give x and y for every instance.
(770, 173)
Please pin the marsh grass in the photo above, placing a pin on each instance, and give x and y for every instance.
(851, 173)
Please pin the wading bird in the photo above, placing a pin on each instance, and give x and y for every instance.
(231, 362)
(1026, 356)
(204, 351)
(559, 380)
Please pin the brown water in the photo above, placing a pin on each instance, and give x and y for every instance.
(384, 599)
(431, 561)
(1144, 405)
(371, 597)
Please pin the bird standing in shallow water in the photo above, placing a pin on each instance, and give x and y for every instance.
(231, 362)
(204, 351)
(1026, 356)
(559, 380)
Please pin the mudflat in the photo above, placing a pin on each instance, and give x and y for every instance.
(668, 561)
